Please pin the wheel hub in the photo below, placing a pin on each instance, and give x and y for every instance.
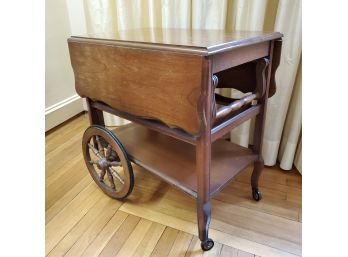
(102, 163)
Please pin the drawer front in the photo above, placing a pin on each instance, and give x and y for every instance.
(151, 84)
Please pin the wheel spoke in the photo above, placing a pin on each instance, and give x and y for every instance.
(115, 163)
(111, 179)
(93, 162)
(95, 151)
(102, 175)
(116, 175)
(100, 147)
(108, 151)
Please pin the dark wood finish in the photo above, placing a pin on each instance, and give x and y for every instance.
(277, 49)
(240, 77)
(259, 129)
(223, 100)
(152, 124)
(261, 84)
(144, 83)
(95, 116)
(164, 80)
(204, 153)
(104, 154)
(235, 105)
(197, 42)
(221, 129)
(175, 161)
(239, 56)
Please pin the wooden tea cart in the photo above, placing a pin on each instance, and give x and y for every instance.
(165, 81)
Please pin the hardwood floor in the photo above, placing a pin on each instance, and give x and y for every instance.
(158, 219)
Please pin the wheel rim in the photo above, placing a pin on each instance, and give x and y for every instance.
(107, 162)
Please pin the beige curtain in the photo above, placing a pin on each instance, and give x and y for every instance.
(282, 139)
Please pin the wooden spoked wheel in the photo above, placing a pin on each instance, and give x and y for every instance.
(107, 162)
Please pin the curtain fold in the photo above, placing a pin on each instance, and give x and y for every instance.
(288, 21)
(282, 138)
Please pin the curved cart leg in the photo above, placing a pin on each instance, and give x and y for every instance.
(262, 80)
(203, 217)
(258, 167)
(203, 155)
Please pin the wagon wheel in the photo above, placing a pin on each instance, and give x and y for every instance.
(107, 162)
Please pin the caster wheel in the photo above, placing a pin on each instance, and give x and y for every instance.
(107, 162)
(256, 194)
(207, 245)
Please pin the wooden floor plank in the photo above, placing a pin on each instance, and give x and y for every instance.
(150, 240)
(98, 244)
(165, 243)
(63, 154)
(86, 221)
(181, 244)
(68, 197)
(120, 237)
(194, 249)
(94, 229)
(260, 227)
(190, 227)
(59, 226)
(135, 238)
(233, 252)
(68, 180)
(228, 251)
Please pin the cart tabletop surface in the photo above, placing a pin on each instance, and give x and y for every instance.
(202, 42)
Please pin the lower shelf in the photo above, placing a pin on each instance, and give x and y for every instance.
(175, 161)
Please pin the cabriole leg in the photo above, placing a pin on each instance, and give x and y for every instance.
(203, 153)
(203, 217)
(258, 167)
(262, 81)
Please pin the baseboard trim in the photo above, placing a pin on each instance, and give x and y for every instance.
(62, 111)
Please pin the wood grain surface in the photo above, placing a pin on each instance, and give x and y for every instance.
(192, 41)
(150, 84)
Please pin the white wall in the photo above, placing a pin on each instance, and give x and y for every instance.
(61, 100)
(63, 19)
